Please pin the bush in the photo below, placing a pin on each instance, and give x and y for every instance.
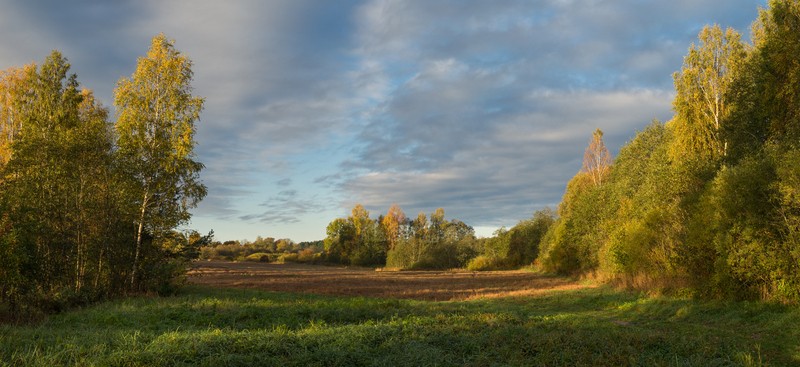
(288, 257)
(485, 263)
(309, 256)
(259, 257)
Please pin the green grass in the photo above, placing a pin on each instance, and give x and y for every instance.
(227, 327)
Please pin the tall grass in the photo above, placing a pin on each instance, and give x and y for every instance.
(227, 327)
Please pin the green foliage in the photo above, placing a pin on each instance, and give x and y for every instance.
(399, 243)
(66, 180)
(57, 190)
(340, 242)
(526, 236)
(753, 229)
(701, 102)
(518, 246)
(258, 257)
(560, 254)
(645, 231)
(205, 327)
(749, 211)
(574, 240)
(777, 81)
(708, 201)
(403, 255)
(356, 240)
(498, 245)
(438, 244)
(486, 263)
(263, 250)
(14, 285)
(156, 113)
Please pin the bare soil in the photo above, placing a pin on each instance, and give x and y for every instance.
(354, 281)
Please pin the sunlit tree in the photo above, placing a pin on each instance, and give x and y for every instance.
(156, 116)
(14, 82)
(701, 100)
(393, 224)
(596, 159)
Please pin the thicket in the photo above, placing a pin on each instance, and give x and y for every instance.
(709, 201)
(88, 209)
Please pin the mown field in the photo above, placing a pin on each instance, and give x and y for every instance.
(564, 326)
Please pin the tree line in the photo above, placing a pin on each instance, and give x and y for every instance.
(264, 249)
(89, 209)
(430, 242)
(709, 201)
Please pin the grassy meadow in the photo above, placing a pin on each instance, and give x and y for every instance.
(204, 326)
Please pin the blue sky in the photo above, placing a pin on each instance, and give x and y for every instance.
(483, 108)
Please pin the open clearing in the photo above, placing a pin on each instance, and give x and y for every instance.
(233, 316)
(420, 285)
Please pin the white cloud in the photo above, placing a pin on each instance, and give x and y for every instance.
(481, 107)
(519, 164)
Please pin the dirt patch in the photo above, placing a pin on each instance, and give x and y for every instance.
(421, 285)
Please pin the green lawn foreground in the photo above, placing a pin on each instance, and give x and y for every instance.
(230, 327)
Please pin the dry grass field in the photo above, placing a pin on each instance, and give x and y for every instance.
(348, 281)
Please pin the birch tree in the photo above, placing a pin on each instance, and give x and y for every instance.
(393, 224)
(596, 159)
(156, 115)
(701, 88)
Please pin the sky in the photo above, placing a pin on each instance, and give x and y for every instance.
(483, 108)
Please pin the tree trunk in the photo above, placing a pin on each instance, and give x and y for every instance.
(139, 239)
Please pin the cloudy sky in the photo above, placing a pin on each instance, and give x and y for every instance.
(483, 108)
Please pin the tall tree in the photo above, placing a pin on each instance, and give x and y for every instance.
(596, 159)
(58, 145)
(41, 169)
(359, 216)
(419, 227)
(340, 240)
(702, 86)
(778, 81)
(437, 227)
(370, 247)
(393, 224)
(156, 115)
(93, 189)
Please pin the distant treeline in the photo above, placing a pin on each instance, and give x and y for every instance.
(89, 209)
(264, 249)
(396, 241)
(399, 242)
(710, 201)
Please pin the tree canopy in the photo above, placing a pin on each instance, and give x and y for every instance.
(71, 183)
(707, 202)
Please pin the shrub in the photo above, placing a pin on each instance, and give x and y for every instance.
(485, 263)
(288, 257)
(308, 256)
(259, 257)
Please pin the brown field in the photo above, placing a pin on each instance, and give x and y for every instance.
(350, 281)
